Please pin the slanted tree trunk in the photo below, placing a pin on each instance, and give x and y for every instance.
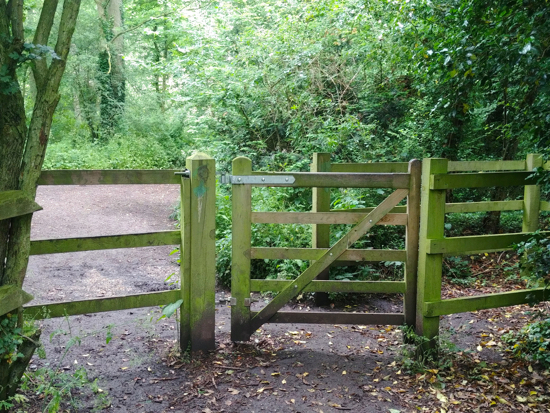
(22, 148)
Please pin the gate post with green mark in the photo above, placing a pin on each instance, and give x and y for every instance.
(432, 226)
(198, 254)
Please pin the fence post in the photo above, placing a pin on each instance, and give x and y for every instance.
(198, 254)
(411, 242)
(320, 237)
(531, 197)
(240, 254)
(432, 226)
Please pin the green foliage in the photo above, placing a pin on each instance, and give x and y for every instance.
(535, 255)
(457, 270)
(532, 342)
(10, 338)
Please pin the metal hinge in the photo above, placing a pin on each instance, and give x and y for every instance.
(257, 179)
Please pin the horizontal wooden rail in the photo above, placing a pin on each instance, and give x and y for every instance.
(321, 317)
(545, 206)
(16, 203)
(108, 177)
(322, 218)
(546, 166)
(313, 254)
(484, 206)
(480, 180)
(100, 305)
(476, 244)
(148, 239)
(372, 167)
(400, 209)
(483, 302)
(383, 287)
(341, 180)
(12, 297)
(463, 166)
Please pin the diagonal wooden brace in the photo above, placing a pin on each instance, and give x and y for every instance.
(296, 287)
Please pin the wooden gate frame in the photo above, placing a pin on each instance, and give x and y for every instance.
(244, 321)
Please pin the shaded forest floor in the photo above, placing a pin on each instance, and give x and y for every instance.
(128, 361)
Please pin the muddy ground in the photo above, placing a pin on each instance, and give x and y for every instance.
(133, 365)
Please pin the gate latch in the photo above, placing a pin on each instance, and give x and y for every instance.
(257, 179)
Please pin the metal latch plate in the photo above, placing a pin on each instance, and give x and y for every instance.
(257, 179)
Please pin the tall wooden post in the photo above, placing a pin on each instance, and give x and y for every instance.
(240, 265)
(432, 226)
(411, 242)
(198, 256)
(321, 232)
(531, 197)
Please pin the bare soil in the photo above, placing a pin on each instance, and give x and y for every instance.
(134, 359)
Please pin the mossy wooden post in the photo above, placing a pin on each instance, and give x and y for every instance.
(432, 225)
(240, 265)
(411, 242)
(198, 259)
(531, 197)
(321, 232)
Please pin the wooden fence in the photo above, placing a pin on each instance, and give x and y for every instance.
(423, 304)
(197, 264)
(439, 175)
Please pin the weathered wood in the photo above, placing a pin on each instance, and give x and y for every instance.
(104, 177)
(373, 167)
(240, 264)
(100, 305)
(319, 317)
(411, 243)
(12, 297)
(16, 203)
(340, 180)
(544, 206)
(531, 197)
(185, 263)
(476, 244)
(328, 258)
(401, 209)
(331, 286)
(546, 166)
(322, 218)
(463, 166)
(432, 220)
(486, 301)
(484, 206)
(320, 236)
(148, 239)
(310, 254)
(480, 180)
(202, 235)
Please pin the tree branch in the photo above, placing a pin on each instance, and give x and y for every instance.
(43, 30)
(137, 26)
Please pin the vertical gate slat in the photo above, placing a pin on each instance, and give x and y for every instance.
(411, 242)
(321, 232)
(241, 245)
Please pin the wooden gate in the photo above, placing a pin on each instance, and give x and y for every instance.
(406, 184)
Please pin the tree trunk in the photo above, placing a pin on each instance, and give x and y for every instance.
(111, 65)
(22, 150)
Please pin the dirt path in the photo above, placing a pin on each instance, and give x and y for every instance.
(285, 368)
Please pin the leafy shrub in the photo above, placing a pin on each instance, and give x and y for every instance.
(536, 258)
(532, 342)
(457, 269)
